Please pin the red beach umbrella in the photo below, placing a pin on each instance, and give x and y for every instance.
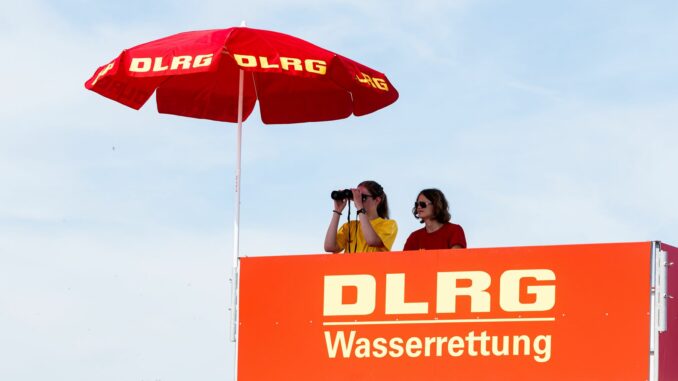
(220, 74)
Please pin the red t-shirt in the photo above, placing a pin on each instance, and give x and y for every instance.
(444, 238)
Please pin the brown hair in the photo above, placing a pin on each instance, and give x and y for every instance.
(376, 190)
(440, 207)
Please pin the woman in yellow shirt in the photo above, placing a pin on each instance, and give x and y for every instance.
(371, 230)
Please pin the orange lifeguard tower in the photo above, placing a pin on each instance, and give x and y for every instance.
(571, 312)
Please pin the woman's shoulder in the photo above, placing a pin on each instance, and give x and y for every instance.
(450, 228)
(418, 232)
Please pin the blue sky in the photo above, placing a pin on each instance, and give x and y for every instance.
(543, 123)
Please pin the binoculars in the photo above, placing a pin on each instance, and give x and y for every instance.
(345, 194)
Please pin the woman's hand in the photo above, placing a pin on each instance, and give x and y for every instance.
(339, 205)
(357, 198)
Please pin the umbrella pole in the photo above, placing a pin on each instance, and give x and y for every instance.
(236, 229)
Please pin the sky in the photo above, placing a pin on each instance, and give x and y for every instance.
(542, 122)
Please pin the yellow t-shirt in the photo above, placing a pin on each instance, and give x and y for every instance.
(385, 229)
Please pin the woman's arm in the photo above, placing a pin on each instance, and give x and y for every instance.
(371, 237)
(331, 235)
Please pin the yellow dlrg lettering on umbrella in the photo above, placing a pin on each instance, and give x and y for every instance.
(202, 60)
(245, 61)
(377, 83)
(103, 72)
(157, 64)
(184, 61)
(316, 66)
(294, 62)
(140, 65)
(266, 65)
(286, 63)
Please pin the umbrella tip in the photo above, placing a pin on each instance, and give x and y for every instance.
(243, 23)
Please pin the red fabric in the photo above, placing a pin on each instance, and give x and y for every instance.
(196, 75)
(444, 238)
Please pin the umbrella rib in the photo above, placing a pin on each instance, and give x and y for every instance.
(256, 89)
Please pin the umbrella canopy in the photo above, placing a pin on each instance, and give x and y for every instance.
(220, 74)
(196, 74)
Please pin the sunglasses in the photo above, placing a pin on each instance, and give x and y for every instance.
(364, 197)
(422, 204)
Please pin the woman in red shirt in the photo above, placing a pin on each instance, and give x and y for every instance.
(431, 209)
